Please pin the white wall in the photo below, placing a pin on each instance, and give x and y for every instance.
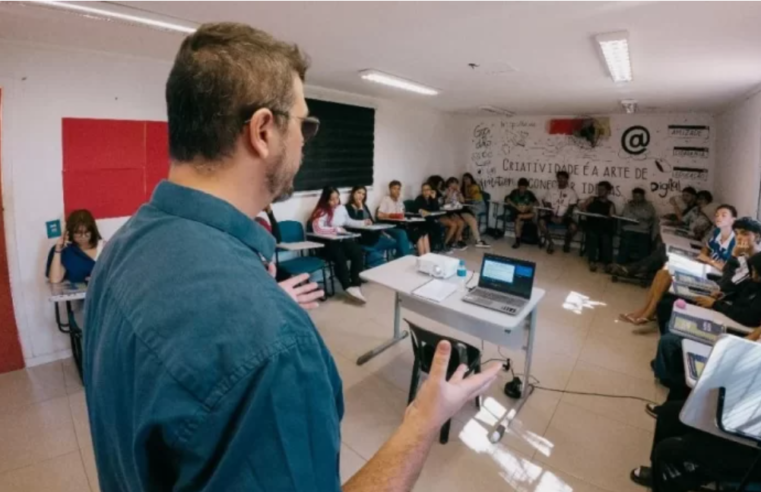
(42, 84)
(739, 154)
(502, 150)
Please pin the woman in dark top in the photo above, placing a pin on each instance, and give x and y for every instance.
(599, 231)
(426, 203)
(375, 242)
(74, 255)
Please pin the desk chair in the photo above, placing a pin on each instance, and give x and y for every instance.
(424, 345)
(557, 231)
(292, 231)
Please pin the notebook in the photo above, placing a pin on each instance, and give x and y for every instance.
(702, 330)
(435, 290)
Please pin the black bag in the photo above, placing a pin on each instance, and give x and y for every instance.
(495, 233)
(530, 233)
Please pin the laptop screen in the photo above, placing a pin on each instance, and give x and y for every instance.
(507, 275)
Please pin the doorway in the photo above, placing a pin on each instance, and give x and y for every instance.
(11, 357)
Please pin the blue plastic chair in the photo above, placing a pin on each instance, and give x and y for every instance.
(292, 231)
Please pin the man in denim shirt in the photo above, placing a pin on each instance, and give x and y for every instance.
(203, 374)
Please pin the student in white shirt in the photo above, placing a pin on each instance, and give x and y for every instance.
(329, 217)
(561, 200)
(392, 207)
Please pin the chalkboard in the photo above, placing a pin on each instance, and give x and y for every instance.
(341, 155)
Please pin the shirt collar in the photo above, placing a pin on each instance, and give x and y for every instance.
(201, 207)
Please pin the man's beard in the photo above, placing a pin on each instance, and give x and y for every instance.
(280, 177)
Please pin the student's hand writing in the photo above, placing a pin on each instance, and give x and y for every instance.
(704, 301)
(438, 399)
(305, 295)
(424, 213)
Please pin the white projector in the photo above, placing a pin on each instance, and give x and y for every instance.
(438, 266)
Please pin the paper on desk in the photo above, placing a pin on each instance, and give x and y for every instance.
(435, 290)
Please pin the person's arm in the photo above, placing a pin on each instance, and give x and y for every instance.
(678, 213)
(320, 225)
(55, 269)
(755, 335)
(397, 465)
(745, 313)
(383, 209)
(584, 205)
(509, 200)
(341, 218)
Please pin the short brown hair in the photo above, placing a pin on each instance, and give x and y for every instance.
(82, 219)
(221, 75)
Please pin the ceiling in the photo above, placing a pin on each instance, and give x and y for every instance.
(686, 56)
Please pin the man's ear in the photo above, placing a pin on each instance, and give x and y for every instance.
(262, 132)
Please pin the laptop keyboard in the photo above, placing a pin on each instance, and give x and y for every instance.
(496, 297)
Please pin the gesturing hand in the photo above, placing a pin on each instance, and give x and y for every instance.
(305, 295)
(439, 400)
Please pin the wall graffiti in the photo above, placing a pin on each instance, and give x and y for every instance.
(660, 153)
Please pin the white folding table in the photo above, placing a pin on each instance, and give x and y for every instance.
(402, 277)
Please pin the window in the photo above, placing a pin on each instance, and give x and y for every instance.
(342, 153)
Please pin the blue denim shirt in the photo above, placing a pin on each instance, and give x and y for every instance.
(201, 373)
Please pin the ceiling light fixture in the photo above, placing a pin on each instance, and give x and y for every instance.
(629, 105)
(397, 82)
(615, 50)
(497, 111)
(117, 13)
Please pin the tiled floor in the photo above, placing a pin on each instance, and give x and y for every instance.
(557, 443)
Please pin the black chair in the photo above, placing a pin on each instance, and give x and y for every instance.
(424, 345)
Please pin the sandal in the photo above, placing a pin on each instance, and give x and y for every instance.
(652, 410)
(642, 475)
(642, 321)
(628, 318)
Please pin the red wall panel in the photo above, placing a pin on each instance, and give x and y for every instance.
(110, 167)
(103, 144)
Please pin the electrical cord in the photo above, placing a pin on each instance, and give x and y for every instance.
(536, 384)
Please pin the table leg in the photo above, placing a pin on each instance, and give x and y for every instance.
(529, 351)
(75, 333)
(399, 335)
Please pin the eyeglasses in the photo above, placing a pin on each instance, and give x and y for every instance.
(81, 233)
(309, 124)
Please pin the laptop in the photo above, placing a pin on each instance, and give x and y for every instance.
(504, 285)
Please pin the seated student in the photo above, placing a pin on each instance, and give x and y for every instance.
(634, 235)
(453, 197)
(426, 203)
(716, 252)
(681, 206)
(392, 206)
(683, 459)
(473, 195)
(699, 225)
(599, 231)
(329, 217)
(377, 241)
(742, 306)
(747, 243)
(74, 255)
(439, 188)
(520, 207)
(561, 200)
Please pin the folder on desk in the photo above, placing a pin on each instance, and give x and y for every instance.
(695, 282)
(435, 290)
(683, 252)
(702, 330)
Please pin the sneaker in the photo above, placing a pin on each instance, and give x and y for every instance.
(459, 246)
(593, 267)
(447, 251)
(566, 248)
(652, 410)
(516, 244)
(356, 294)
(643, 476)
(482, 244)
(550, 248)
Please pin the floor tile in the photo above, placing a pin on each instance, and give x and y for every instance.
(71, 376)
(590, 378)
(88, 458)
(78, 408)
(612, 351)
(32, 385)
(65, 473)
(37, 432)
(351, 462)
(596, 449)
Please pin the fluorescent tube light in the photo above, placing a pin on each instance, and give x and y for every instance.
(117, 13)
(399, 83)
(615, 51)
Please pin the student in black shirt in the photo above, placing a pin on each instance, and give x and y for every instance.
(520, 207)
(426, 203)
(600, 231)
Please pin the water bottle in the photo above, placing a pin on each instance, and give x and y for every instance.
(462, 272)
